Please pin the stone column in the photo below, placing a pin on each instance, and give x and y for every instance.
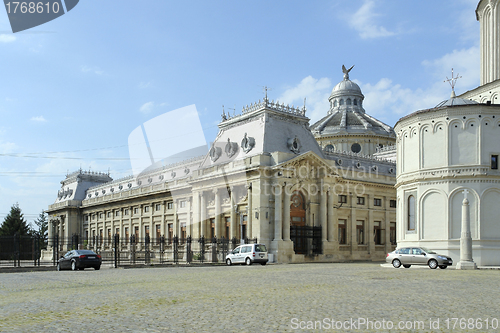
(203, 215)
(217, 213)
(162, 225)
(369, 232)
(286, 213)
(278, 212)
(190, 216)
(466, 261)
(176, 220)
(233, 224)
(387, 227)
(332, 217)
(354, 222)
(51, 233)
(250, 211)
(322, 215)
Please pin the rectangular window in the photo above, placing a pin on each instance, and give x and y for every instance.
(136, 210)
(361, 200)
(183, 231)
(212, 228)
(136, 234)
(109, 236)
(117, 213)
(392, 204)
(126, 212)
(494, 162)
(146, 209)
(157, 207)
(360, 232)
(100, 216)
(377, 202)
(170, 205)
(228, 226)
(146, 231)
(86, 218)
(378, 235)
(158, 233)
(411, 213)
(342, 232)
(126, 235)
(93, 216)
(393, 233)
(170, 232)
(182, 203)
(109, 214)
(100, 237)
(342, 198)
(117, 231)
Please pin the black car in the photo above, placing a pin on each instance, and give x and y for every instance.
(79, 260)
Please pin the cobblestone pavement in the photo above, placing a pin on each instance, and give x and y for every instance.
(272, 298)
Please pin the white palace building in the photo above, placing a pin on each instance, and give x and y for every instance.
(358, 183)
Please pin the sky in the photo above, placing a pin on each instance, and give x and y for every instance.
(73, 89)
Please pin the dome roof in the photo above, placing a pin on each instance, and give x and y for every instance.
(455, 101)
(346, 86)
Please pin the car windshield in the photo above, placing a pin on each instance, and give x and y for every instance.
(260, 248)
(426, 250)
(85, 252)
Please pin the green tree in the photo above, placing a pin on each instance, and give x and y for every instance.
(15, 223)
(42, 231)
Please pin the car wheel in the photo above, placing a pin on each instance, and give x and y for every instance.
(263, 263)
(443, 266)
(248, 261)
(73, 265)
(58, 267)
(433, 264)
(228, 262)
(406, 266)
(97, 268)
(396, 263)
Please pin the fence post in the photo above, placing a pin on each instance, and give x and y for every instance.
(162, 248)
(132, 248)
(189, 253)
(116, 246)
(214, 249)
(147, 256)
(176, 249)
(202, 248)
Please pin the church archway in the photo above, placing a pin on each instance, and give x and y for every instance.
(298, 223)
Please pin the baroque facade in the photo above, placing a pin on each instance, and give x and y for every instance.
(266, 176)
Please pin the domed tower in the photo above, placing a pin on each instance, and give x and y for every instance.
(347, 127)
(488, 15)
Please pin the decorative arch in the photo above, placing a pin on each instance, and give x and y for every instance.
(439, 126)
(455, 199)
(432, 213)
(489, 210)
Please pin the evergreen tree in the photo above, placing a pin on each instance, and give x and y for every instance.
(15, 223)
(42, 231)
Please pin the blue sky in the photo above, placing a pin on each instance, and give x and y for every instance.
(73, 89)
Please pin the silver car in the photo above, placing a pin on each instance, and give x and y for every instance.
(408, 256)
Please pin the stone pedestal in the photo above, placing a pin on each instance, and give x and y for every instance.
(282, 251)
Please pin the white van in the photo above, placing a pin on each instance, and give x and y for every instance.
(248, 254)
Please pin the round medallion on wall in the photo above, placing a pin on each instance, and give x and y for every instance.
(356, 148)
(329, 149)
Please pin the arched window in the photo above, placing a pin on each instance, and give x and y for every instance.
(341, 102)
(335, 103)
(411, 212)
(348, 101)
(355, 102)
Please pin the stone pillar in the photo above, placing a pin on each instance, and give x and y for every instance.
(51, 233)
(322, 215)
(250, 211)
(203, 215)
(354, 222)
(387, 227)
(233, 224)
(286, 213)
(217, 213)
(190, 216)
(278, 212)
(176, 220)
(162, 225)
(332, 217)
(369, 232)
(466, 261)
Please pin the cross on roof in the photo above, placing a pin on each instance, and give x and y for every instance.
(452, 82)
(266, 88)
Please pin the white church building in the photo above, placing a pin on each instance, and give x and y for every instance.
(451, 149)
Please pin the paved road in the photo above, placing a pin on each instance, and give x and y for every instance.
(272, 298)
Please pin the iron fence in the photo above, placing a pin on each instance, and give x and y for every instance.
(117, 251)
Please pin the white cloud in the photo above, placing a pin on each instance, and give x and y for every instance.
(316, 92)
(145, 85)
(7, 147)
(95, 70)
(363, 21)
(147, 107)
(7, 38)
(40, 119)
(387, 100)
